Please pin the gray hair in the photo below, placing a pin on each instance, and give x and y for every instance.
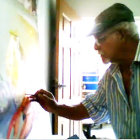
(130, 28)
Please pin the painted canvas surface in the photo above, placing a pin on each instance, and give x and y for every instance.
(21, 59)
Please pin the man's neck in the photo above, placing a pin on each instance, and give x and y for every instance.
(131, 51)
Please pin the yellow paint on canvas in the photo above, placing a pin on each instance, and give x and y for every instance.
(23, 41)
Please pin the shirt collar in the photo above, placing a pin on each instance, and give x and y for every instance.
(113, 68)
(137, 55)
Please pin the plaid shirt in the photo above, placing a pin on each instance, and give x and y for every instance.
(110, 102)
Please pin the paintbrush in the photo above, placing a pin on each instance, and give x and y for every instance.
(32, 97)
(28, 94)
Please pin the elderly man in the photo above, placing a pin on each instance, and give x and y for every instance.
(118, 96)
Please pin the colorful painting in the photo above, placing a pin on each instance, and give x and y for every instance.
(21, 57)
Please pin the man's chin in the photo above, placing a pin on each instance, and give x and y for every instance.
(105, 60)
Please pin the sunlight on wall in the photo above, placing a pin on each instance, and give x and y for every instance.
(85, 26)
(138, 25)
(90, 59)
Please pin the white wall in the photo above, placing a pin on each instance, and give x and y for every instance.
(43, 28)
(88, 8)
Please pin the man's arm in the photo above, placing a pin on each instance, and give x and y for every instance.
(76, 112)
(48, 102)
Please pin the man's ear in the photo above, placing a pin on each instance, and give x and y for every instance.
(121, 34)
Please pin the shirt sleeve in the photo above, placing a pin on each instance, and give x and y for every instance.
(96, 104)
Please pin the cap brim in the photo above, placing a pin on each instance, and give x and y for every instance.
(98, 28)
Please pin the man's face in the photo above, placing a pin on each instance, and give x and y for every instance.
(109, 46)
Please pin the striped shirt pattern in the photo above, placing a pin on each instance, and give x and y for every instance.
(110, 101)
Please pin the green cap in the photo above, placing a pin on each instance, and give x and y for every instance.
(111, 16)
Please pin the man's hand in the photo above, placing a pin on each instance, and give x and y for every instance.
(45, 99)
(48, 102)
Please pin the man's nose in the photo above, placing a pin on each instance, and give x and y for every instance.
(96, 47)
